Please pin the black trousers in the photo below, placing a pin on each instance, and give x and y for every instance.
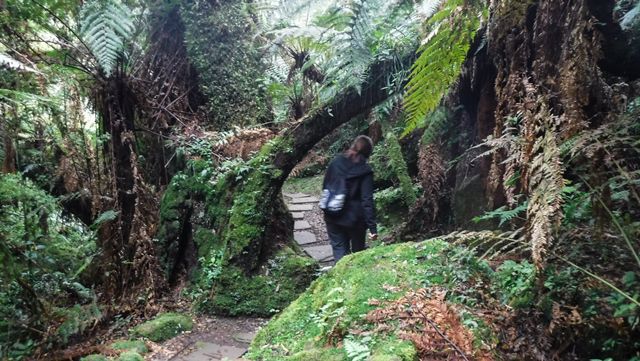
(345, 240)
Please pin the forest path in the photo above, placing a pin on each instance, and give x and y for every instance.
(227, 338)
(212, 339)
(309, 229)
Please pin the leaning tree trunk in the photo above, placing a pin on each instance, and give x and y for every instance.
(278, 158)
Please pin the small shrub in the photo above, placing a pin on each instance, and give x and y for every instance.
(515, 281)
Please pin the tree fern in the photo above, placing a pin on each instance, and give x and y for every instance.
(352, 51)
(106, 25)
(442, 54)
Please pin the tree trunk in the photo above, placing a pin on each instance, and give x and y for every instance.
(129, 261)
(9, 162)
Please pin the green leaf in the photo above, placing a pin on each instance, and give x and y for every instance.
(107, 216)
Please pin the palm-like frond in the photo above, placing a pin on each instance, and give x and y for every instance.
(451, 31)
(106, 25)
(632, 17)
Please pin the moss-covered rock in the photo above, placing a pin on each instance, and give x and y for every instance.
(95, 357)
(316, 324)
(131, 345)
(130, 356)
(164, 327)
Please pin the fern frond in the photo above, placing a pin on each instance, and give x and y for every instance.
(105, 27)
(504, 214)
(352, 52)
(444, 50)
(435, 123)
(545, 190)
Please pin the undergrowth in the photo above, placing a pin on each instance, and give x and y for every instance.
(44, 255)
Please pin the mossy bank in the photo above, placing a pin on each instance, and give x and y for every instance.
(327, 322)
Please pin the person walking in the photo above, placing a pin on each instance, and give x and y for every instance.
(347, 199)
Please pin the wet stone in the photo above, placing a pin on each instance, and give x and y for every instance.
(244, 337)
(300, 225)
(300, 207)
(304, 200)
(304, 237)
(296, 195)
(320, 253)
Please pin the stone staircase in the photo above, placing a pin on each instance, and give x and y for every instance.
(301, 206)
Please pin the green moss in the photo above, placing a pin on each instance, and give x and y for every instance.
(319, 354)
(130, 345)
(231, 235)
(285, 277)
(336, 302)
(399, 166)
(130, 356)
(164, 327)
(394, 349)
(339, 299)
(94, 357)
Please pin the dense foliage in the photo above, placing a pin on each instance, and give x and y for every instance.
(145, 145)
(44, 254)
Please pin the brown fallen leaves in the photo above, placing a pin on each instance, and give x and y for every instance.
(424, 318)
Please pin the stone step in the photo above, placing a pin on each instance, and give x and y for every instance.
(244, 337)
(304, 200)
(300, 225)
(213, 352)
(296, 195)
(304, 237)
(297, 215)
(300, 207)
(322, 253)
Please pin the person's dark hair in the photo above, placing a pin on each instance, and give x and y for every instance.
(362, 146)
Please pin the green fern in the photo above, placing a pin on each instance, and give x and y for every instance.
(353, 53)
(504, 214)
(435, 123)
(450, 33)
(106, 25)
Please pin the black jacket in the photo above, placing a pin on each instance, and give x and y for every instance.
(359, 207)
